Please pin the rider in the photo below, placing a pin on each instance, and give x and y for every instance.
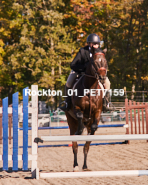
(78, 66)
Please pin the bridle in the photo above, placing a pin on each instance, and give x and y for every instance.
(99, 53)
(95, 67)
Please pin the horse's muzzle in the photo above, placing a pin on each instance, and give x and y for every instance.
(102, 71)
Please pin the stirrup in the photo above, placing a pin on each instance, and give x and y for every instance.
(107, 108)
(64, 106)
(110, 108)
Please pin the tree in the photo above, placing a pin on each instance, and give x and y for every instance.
(39, 47)
(122, 25)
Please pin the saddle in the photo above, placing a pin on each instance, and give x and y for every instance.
(100, 87)
(100, 84)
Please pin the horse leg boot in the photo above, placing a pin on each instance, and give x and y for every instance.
(94, 127)
(80, 128)
(85, 150)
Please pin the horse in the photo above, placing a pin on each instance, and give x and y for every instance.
(87, 107)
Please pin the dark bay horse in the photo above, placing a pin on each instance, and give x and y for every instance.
(87, 107)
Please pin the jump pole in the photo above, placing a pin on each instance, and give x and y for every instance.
(94, 174)
(35, 170)
(95, 137)
(67, 127)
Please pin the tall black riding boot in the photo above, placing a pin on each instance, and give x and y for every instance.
(106, 103)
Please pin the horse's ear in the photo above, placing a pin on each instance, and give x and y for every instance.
(105, 50)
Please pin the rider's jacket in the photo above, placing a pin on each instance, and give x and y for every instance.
(81, 60)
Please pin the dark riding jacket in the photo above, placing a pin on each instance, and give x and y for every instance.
(81, 60)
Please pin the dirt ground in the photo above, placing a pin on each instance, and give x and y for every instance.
(131, 156)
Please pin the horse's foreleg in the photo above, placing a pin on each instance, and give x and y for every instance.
(80, 127)
(85, 150)
(75, 151)
(94, 125)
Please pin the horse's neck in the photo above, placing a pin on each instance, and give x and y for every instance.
(89, 70)
(89, 79)
(90, 82)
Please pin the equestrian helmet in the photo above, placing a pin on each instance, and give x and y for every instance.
(94, 38)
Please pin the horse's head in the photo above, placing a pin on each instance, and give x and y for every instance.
(99, 63)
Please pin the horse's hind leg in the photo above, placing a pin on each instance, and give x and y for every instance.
(86, 147)
(75, 151)
(73, 124)
(85, 150)
(91, 131)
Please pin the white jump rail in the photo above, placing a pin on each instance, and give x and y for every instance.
(35, 169)
(95, 137)
(94, 174)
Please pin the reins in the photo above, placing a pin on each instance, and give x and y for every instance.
(90, 98)
(96, 76)
(94, 65)
(99, 54)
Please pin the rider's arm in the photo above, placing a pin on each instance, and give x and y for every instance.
(78, 63)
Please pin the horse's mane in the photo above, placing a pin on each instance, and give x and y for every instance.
(96, 50)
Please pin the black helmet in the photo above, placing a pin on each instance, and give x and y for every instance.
(94, 38)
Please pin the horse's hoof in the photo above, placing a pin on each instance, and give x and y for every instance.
(86, 169)
(76, 169)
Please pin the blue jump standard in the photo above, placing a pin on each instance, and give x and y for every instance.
(5, 133)
(15, 130)
(66, 127)
(25, 130)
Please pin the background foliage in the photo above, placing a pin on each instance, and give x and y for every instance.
(39, 39)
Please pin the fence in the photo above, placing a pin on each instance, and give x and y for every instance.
(14, 112)
(138, 134)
